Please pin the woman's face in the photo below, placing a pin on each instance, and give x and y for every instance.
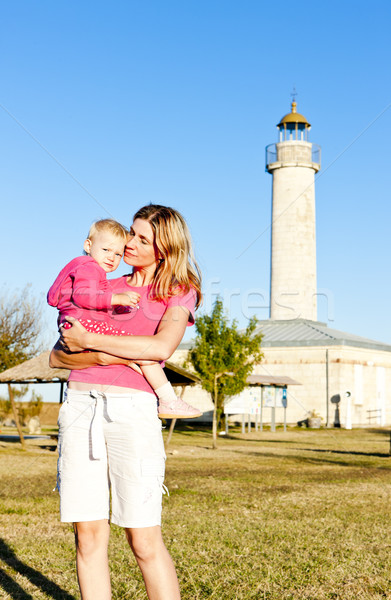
(140, 250)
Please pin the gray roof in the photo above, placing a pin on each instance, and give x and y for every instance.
(271, 380)
(302, 332)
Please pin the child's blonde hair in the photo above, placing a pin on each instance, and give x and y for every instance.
(109, 225)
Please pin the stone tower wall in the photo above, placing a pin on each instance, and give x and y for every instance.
(293, 252)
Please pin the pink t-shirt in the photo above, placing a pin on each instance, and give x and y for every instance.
(144, 321)
(81, 290)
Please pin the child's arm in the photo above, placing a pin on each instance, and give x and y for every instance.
(92, 290)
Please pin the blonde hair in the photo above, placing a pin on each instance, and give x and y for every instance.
(110, 226)
(177, 271)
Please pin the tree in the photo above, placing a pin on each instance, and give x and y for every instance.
(223, 357)
(6, 408)
(20, 328)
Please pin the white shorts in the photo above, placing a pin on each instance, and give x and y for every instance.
(110, 445)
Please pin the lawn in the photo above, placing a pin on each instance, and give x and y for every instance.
(298, 515)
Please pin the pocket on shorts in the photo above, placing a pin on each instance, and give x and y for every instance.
(152, 473)
(153, 467)
(62, 413)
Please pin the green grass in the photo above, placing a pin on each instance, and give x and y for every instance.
(298, 515)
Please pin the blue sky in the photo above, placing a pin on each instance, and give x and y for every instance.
(105, 107)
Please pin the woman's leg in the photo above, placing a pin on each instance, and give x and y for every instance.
(155, 563)
(92, 540)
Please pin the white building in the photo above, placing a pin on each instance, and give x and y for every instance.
(329, 364)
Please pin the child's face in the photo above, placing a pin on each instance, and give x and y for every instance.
(107, 249)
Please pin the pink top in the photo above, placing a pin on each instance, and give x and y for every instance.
(144, 321)
(81, 290)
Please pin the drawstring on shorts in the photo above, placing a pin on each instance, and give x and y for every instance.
(98, 444)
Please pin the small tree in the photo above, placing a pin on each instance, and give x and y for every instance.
(6, 409)
(20, 328)
(35, 405)
(223, 357)
(24, 411)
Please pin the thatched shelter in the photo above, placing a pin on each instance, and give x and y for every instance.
(37, 370)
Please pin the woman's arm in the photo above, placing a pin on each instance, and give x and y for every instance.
(143, 347)
(82, 360)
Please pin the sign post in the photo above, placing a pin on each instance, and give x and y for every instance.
(252, 401)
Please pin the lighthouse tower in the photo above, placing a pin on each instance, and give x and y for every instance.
(293, 162)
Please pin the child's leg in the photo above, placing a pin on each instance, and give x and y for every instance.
(96, 327)
(155, 376)
(170, 406)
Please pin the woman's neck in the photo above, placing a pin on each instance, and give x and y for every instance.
(141, 277)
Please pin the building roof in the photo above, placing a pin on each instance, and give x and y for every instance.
(293, 117)
(37, 370)
(302, 332)
(271, 380)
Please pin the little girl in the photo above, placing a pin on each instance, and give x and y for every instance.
(81, 290)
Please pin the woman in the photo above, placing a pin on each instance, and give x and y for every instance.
(108, 426)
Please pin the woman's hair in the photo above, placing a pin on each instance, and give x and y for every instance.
(110, 226)
(177, 271)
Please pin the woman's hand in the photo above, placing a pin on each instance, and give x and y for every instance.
(75, 338)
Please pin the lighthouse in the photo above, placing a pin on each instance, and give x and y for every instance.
(293, 162)
(322, 366)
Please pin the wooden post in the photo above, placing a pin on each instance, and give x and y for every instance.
(16, 416)
(173, 421)
(170, 432)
